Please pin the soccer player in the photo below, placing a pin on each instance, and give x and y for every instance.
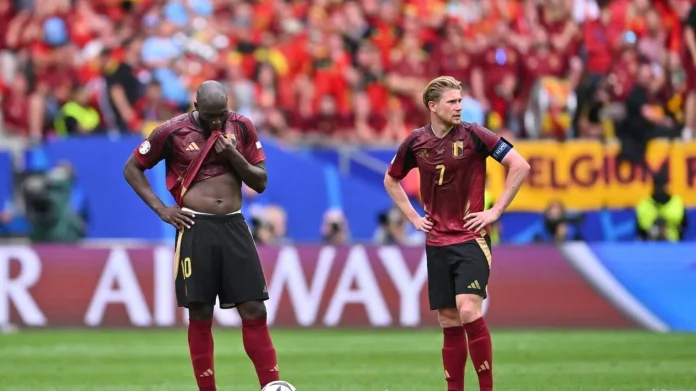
(451, 157)
(209, 152)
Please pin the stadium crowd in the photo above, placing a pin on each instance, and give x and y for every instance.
(340, 70)
(332, 71)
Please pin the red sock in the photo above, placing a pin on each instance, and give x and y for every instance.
(259, 348)
(454, 357)
(481, 351)
(200, 339)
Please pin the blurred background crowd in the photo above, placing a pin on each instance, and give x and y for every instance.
(338, 72)
(343, 70)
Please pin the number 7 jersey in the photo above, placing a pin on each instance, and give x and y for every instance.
(452, 175)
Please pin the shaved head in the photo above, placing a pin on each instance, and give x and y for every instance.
(211, 93)
(211, 103)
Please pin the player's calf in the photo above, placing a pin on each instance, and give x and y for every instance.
(200, 340)
(453, 348)
(257, 341)
(479, 338)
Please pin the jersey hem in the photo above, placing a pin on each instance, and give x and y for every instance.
(448, 241)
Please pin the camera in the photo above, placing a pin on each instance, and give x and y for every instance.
(335, 228)
(574, 218)
(40, 207)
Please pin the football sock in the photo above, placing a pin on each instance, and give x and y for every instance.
(481, 351)
(454, 357)
(200, 340)
(259, 348)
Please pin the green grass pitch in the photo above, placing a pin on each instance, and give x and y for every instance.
(347, 360)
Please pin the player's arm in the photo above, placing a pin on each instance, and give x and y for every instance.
(398, 195)
(134, 173)
(250, 162)
(254, 175)
(144, 157)
(495, 146)
(403, 162)
(517, 170)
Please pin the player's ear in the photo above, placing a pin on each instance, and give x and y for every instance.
(431, 106)
(195, 105)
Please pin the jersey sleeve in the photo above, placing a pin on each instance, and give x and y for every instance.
(404, 161)
(489, 143)
(252, 149)
(154, 148)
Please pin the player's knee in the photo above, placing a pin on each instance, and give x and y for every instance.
(470, 307)
(469, 315)
(252, 310)
(200, 311)
(448, 317)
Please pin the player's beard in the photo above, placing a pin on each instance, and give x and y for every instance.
(455, 119)
(450, 120)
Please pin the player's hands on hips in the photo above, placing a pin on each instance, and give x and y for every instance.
(479, 220)
(224, 147)
(423, 224)
(177, 217)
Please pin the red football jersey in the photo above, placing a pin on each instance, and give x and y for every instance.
(452, 175)
(179, 140)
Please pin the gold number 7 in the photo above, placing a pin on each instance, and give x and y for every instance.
(441, 167)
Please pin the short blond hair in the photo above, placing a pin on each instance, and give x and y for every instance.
(437, 86)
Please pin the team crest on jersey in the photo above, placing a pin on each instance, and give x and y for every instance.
(457, 148)
(232, 138)
(423, 153)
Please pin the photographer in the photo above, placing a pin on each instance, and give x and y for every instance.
(560, 226)
(269, 225)
(393, 229)
(49, 207)
(334, 230)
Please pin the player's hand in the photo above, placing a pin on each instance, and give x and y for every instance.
(423, 224)
(224, 147)
(479, 220)
(177, 217)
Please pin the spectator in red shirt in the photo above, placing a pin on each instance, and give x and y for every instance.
(152, 106)
(495, 76)
(15, 106)
(344, 50)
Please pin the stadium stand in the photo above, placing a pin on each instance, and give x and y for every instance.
(338, 72)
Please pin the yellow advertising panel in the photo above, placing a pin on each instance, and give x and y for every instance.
(584, 175)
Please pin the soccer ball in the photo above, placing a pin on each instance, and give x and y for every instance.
(279, 385)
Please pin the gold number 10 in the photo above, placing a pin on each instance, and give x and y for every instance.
(441, 167)
(186, 267)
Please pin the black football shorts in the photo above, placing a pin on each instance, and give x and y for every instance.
(217, 258)
(458, 269)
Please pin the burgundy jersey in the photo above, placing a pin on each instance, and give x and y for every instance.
(452, 175)
(179, 140)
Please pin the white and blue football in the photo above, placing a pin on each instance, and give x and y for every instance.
(279, 385)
